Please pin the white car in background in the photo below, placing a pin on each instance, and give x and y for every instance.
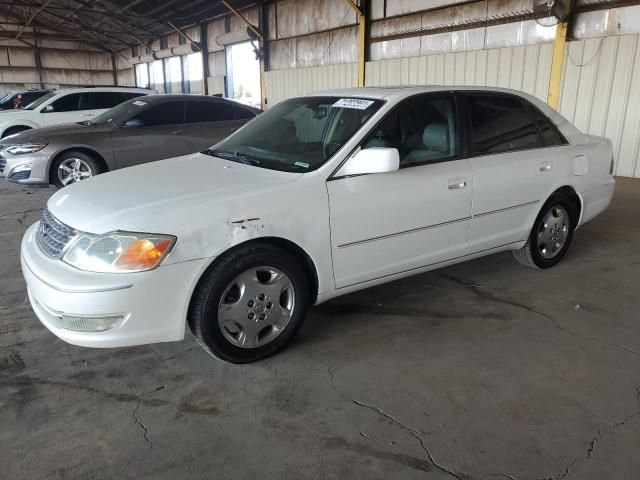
(317, 197)
(65, 106)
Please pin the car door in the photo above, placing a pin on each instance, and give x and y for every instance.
(152, 134)
(66, 109)
(383, 224)
(511, 174)
(210, 121)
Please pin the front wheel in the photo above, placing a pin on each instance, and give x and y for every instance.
(250, 304)
(72, 167)
(551, 234)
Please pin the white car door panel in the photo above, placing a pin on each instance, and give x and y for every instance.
(512, 175)
(509, 189)
(388, 223)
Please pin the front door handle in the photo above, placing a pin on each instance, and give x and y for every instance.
(87, 115)
(177, 132)
(545, 167)
(457, 184)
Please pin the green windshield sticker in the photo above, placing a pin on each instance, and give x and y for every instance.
(301, 164)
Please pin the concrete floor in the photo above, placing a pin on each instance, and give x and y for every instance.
(478, 371)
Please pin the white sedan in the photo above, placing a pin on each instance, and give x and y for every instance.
(320, 196)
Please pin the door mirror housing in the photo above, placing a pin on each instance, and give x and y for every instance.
(371, 160)
(134, 122)
(48, 108)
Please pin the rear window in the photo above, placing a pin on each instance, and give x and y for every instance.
(204, 111)
(499, 124)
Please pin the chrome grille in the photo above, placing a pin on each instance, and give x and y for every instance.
(53, 235)
(3, 163)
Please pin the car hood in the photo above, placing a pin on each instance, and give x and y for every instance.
(169, 196)
(47, 134)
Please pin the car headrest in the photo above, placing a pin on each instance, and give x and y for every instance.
(436, 136)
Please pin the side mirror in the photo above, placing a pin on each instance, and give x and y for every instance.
(48, 108)
(371, 160)
(134, 122)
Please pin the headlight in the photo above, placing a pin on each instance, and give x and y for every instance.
(118, 252)
(25, 148)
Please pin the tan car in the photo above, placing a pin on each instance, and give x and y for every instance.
(140, 130)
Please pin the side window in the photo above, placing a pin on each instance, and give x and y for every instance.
(423, 129)
(168, 113)
(549, 134)
(69, 103)
(101, 100)
(203, 111)
(500, 124)
(242, 113)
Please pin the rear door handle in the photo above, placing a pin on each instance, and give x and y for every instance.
(545, 167)
(457, 184)
(87, 115)
(177, 132)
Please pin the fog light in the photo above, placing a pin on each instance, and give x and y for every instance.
(90, 323)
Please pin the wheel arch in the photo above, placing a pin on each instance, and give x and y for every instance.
(89, 151)
(305, 259)
(574, 198)
(21, 128)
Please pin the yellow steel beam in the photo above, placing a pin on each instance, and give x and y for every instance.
(361, 40)
(557, 62)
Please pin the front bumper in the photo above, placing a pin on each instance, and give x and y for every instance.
(26, 169)
(152, 306)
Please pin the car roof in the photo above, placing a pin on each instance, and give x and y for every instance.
(104, 89)
(403, 91)
(165, 97)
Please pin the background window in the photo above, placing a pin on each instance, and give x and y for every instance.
(142, 75)
(169, 113)
(500, 124)
(100, 100)
(156, 73)
(209, 112)
(70, 103)
(423, 130)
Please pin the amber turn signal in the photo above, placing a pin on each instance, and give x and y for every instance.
(143, 254)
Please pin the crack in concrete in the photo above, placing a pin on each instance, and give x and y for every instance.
(380, 412)
(595, 440)
(145, 430)
(411, 431)
(24, 213)
(486, 295)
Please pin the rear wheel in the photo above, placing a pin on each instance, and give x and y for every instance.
(250, 304)
(72, 167)
(551, 234)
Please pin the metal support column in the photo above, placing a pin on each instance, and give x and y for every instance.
(557, 62)
(361, 12)
(204, 51)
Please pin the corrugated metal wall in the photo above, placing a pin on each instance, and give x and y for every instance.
(282, 84)
(601, 94)
(524, 68)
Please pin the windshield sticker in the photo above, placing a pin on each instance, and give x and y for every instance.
(140, 103)
(357, 103)
(301, 164)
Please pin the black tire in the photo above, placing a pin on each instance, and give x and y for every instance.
(13, 131)
(203, 311)
(92, 163)
(531, 254)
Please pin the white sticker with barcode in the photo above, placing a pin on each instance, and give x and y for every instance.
(357, 103)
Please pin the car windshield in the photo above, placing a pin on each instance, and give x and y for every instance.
(299, 134)
(36, 103)
(123, 111)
